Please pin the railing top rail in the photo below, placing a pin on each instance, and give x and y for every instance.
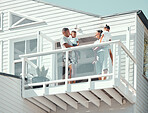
(79, 48)
(66, 49)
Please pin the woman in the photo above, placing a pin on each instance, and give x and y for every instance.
(99, 53)
(102, 53)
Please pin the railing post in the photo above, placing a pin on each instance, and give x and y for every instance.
(135, 76)
(39, 47)
(114, 62)
(23, 76)
(127, 57)
(44, 88)
(66, 71)
(119, 61)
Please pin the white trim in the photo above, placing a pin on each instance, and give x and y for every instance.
(15, 25)
(23, 76)
(10, 57)
(135, 66)
(18, 22)
(44, 36)
(128, 33)
(1, 16)
(1, 56)
(17, 61)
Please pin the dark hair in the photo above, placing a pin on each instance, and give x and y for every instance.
(74, 31)
(106, 26)
(64, 29)
(99, 31)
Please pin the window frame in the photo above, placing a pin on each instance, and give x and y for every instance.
(37, 21)
(12, 61)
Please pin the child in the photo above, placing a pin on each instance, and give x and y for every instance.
(74, 39)
(75, 42)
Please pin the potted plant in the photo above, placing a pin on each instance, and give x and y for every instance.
(41, 75)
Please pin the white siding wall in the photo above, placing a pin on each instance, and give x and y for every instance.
(142, 83)
(11, 100)
(56, 18)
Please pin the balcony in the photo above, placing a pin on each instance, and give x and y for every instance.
(50, 83)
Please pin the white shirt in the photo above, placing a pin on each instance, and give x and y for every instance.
(65, 40)
(107, 36)
(97, 42)
(99, 48)
(74, 40)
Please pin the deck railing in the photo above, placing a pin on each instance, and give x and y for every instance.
(53, 68)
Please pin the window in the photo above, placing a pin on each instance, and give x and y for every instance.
(23, 47)
(1, 21)
(19, 20)
(86, 58)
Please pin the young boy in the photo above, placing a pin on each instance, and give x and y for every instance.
(75, 42)
(74, 39)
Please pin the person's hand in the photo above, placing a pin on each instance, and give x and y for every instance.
(96, 48)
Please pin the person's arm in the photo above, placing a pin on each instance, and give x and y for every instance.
(67, 45)
(64, 42)
(78, 43)
(101, 38)
(110, 52)
(110, 37)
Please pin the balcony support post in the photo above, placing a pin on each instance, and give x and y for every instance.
(66, 71)
(23, 76)
(114, 62)
(119, 62)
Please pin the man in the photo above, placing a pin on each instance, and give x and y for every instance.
(66, 43)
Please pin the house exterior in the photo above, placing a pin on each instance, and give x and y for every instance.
(30, 31)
